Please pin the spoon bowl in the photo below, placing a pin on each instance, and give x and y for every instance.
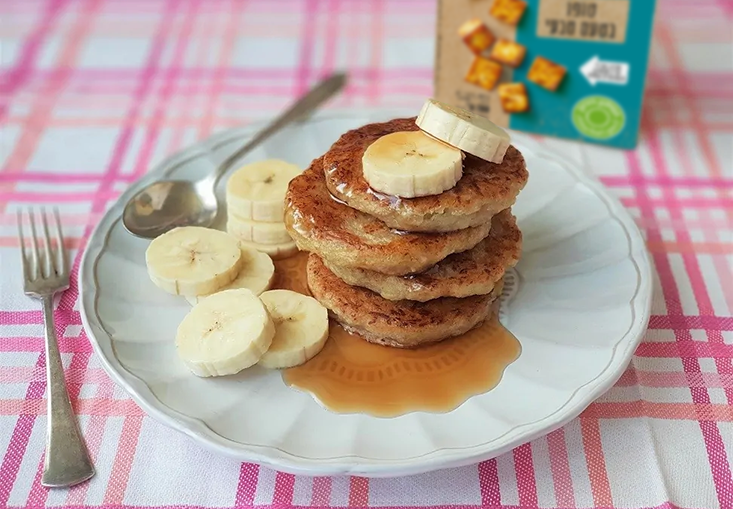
(167, 204)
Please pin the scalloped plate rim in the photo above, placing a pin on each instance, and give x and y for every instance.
(444, 457)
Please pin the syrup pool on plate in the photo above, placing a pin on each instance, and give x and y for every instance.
(351, 375)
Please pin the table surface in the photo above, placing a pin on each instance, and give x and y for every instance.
(95, 92)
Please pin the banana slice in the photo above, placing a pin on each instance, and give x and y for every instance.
(258, 231)
(192, 260)
(257, 274)
(225, 333)
(471, 133)
(256, 191)
(301, 328)
(275, 251)
(410, 164)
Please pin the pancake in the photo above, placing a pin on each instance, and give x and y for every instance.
(484, 190)
(402, 324)
(473, 272)
(344, 236)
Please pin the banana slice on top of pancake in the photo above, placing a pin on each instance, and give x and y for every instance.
(462, 129)
(409, 164)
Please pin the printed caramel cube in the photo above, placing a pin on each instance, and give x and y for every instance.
(546, 74)
(508, 11)
(508, 52)
(513, 97)
(476, 35)
(484, 72)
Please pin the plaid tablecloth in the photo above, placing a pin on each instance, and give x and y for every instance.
(94, 92)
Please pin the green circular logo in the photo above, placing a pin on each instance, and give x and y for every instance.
(599, 117)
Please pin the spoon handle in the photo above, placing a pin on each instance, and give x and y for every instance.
(305, 105)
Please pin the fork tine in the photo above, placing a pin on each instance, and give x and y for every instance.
(21, 237)
(62, 267)
(36, 271)
(50, 257)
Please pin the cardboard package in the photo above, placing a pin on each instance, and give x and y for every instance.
(568, 68)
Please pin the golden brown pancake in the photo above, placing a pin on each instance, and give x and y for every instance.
(347, 237)
(402, 324)
(484, 190)
(472, 272)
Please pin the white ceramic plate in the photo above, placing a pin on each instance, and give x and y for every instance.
(579, 308)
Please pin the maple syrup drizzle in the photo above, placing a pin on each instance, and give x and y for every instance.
(351, 375)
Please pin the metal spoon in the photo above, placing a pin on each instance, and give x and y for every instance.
(167, 204)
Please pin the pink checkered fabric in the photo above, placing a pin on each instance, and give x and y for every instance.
(94, 92)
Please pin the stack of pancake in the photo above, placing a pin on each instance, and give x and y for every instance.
(403, 272)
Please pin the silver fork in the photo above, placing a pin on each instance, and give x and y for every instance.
(46, 272)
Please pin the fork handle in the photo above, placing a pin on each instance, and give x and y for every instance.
(67, 460)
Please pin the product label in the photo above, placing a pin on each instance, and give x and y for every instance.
(588, 20)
